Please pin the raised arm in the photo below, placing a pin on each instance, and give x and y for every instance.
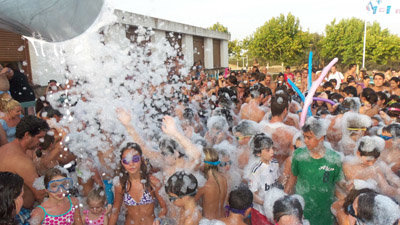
(118, 198)
(125, 118)
(169, 128)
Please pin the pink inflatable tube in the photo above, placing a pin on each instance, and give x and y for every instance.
(313, 89)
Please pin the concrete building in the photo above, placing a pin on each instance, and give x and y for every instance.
(196, 44)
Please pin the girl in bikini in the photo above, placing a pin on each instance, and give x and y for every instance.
(59, 208)
(97, 214)
(137, 189)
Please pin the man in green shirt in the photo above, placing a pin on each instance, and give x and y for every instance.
(317, 170)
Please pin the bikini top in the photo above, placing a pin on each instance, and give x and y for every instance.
(98, 221)
(146, 199)
(63, 219)
(10, 131)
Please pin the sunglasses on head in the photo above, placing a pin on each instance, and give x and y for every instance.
(55, 185)
(135, 159)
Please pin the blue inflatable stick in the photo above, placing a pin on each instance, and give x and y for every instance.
(309, 71)
(297, 90)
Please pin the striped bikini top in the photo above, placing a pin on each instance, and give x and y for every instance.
(63, 219)
(146, 199)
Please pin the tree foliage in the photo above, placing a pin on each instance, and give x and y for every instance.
(345, 41)
(219, 27)
(235, 48)
(280, 39)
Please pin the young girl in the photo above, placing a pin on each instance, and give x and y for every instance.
(59, 208)
(97, 214)
(137, 189)
(214, 192)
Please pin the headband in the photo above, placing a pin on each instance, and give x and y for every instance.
(213, 163)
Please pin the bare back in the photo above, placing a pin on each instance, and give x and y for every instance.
(214, 196)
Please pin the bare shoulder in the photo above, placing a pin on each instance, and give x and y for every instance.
(37, 216)
(155, 182)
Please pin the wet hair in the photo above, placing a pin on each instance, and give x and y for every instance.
(259, 142)
(287, 205)
(32, 125)
(370, 95)
(255, 90)
(10, 105)
(49, 112)
(97, 194)
(246, 128)
(279, 103)
(315, 125)
(336, 97)
(265, 91)
(352, 66)
(51, 173)
(144, 174)
(353, 194)
(188, 114)
(48, 140)
(350, 90)
(241, 198)
(181, 184)
(374, 153)
(10, 188)
(225, 113)
(393, 129)
(351, 104)
(169, 146)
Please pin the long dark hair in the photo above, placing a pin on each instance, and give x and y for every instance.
(144, 174)
(10, 188)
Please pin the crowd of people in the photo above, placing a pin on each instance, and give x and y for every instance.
(232, 151)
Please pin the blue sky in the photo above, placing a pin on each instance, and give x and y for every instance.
(243, 17)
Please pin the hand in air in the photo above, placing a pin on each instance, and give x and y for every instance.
(123, 116)
(169, 126)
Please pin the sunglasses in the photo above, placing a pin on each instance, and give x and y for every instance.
(54, 186)
(252, 80)
(239, 138)
(223, 164)
(135, 159)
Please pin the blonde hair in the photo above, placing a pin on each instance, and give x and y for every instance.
(4, 98)
(97, 194)
(10, 105)
(211, 155)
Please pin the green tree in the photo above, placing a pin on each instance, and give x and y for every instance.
(280, 40)
(235, 48)
(219, 27)
(345, 41)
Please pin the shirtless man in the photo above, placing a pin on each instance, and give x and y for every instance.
(251, 110)
(4, 73)
(13, 156)
(364, 166)
(240, 203)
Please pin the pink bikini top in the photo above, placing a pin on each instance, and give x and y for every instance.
(63, 219)
(98, 221)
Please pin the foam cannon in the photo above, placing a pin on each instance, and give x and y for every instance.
(49, 20)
